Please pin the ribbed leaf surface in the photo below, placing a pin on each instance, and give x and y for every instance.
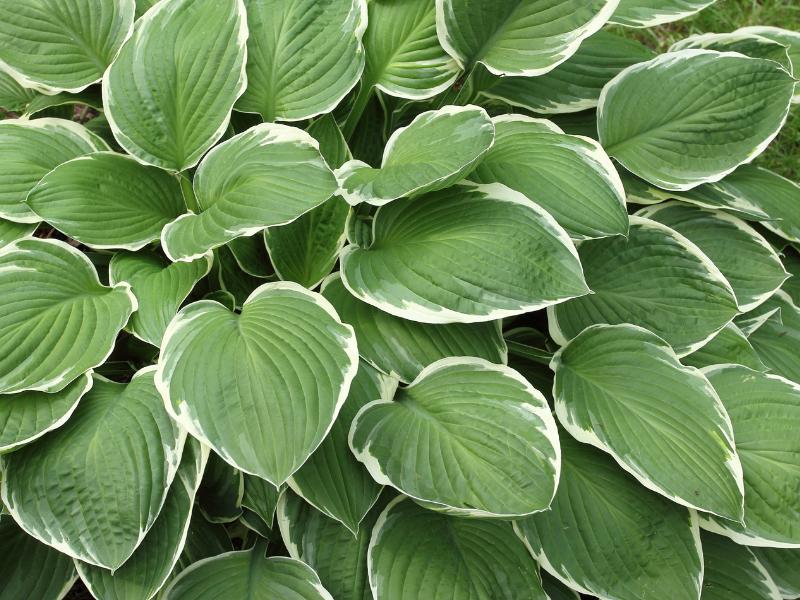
(733, 571)
(649, 13)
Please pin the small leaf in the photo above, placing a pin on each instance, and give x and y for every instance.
(776, 339)
(649, 13)
(783, 566)
(729, 346)
(11, 231)
(261, 497)
(732, 571)
(221, 491)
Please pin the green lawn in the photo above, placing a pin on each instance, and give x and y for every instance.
(783, 155)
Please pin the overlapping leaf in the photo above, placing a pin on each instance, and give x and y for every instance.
(649, 13)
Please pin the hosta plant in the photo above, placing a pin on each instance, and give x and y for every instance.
(395, 299)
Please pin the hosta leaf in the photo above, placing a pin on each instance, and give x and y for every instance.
(168, 96)
(332, 480)
(160, 287)
(272, 378)
(403, 348)
(489, 253)
(146, 571)
(646, 280)
(55, 45)
(29, 150)
(412, 556)
(142, 6)
(744, 257)
(328, 547)
(783, 566)
(203, 540)
(268, 175)
(107, 200)
(261, 497)
(247, 574)
(221, 491)
(786, 37)
(250, 253)
(93, 487)
(555, 589)
(622, 389)
(729, 346)
(303, 56)
(30, 569)
(732, 571)
(436, 150)
(575, 84)
(749, 44)
(13, 96)
(466, 436)
(791, 260)
(777, 338)
(26, 416)
(765, 412)
(233, 281)
(513, 37)
(665, 120)
(57, 320)
(569, 176)
(649, 13)
(607, 536)
(11, 231)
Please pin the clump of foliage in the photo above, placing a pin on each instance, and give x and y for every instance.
(395, 299)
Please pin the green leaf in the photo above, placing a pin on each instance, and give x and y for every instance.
(57, 320)
(403, 348)
(149, 567)
(607, 536)
(648, 280)
(332, 480)
(13, 96)
(247, 574)
(489, 253)
(733, 571)
(649, 13)
(786, 37)
(791, 260)
(11, 231)
(416, 553)
(52, 46)
(27, 416)
(749, 44)
(513, 37)
(742, 255)
(622, 389)
(261, 497)
(466, 436)
(250, 253)
(168, 96)
(221, 491)
(29, 149)
(268, 175)
(273, 377)
(555, 589)
(777, 338)
(575, 84)
(93, 487)
(783, 566)
(232, 280)
(729, 346)
(569, 176)
(765, 412)
(203, 540)
(328, 547)
(159, 285)
(30, 569)
(303, 56)
(665, 120)
(107, 200)
(438, 149)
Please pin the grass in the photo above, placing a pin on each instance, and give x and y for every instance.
(783, 155)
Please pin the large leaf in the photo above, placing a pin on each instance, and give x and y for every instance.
(57, 320)
(575, 84)
(268, 175)
(517, 37)
(168, 95)
(263, 387)
(159, 285)
(749, 44)
(649, 13)
(466, 436)
(729, 346)
(622, 389)
(765, 412)
(607, 536)
(93, 487)
(149, 567)
(303, 56)
(439, 148)
(786, 37)
(29, 150)
(489, 253)
(27, 416)
(53, 45)
(332, 480)
(107, 200)
(569, 176)
(665, 120)
(647, 280)
(732, 571)
(744, 257)
(783, 566)
(30, 569)
(411, 556)
(777, 338)
(247, 574)
(403, 348)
